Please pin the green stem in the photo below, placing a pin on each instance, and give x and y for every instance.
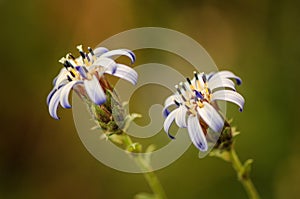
(149, 175)
(243, 175)
(152, 179)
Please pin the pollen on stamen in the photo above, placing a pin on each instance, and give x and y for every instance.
(189, 81)
(70, 56)
(198, 85)
(68, 64)
(91, 51)
(72, 72)
(62, 60)
(200, 104)
(82, 54)
(79, 47)
(196, 75)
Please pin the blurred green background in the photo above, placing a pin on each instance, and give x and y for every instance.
(44, 158)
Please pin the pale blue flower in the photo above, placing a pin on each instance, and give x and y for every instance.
(87, 71)
(195, 105)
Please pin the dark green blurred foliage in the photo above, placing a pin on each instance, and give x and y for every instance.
(44, 158)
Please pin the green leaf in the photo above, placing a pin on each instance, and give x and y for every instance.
(134, 147)
(115, 138)
(248, 166)
(129, 119)
(234, 132)
(220, 154)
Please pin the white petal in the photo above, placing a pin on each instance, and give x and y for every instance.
(64, 95)
(53, 104)
(126, 73)
(172, 98)
(211, 117)
(180, 118)
(168, 121)
(209, 75)
(196, 133)
(169, 102)
(99, 51)
(82, 71)
(50, 95)
(230, 96)
(120, 52)
(106, 64)
(221, 83)
(226, 74)
(54, 81)
(94, 90)
(61, 78)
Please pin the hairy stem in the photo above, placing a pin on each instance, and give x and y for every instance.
(149, 175)
(243, 175)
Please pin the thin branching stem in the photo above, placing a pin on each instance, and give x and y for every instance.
(243, 175)
(149, 175)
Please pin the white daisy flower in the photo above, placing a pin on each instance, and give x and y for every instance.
(88, 71)
(195, 105)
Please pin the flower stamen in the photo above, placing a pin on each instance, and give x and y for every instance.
(180, 93)
(182, 85)
(198, 85)
(190, 83)
(177, 103)
(92, 53)
(69, 78)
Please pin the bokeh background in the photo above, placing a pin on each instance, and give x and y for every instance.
(44, 158)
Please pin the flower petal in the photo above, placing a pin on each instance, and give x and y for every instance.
(168, 121)
(221, 83)
(106, 63)
(230, 96)
(99, 51)
(211, 117)
(64, 95)
(120, 52)
(180, 118)
(53, 104)
(82, 71)
(209, 75)
(54, 81)
(50, 95)
(94, 90)
(169, 102)
(196, 133)
(61, 78)
(125, 72)
(226, 74)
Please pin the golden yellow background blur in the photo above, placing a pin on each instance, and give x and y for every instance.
(44, 158)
